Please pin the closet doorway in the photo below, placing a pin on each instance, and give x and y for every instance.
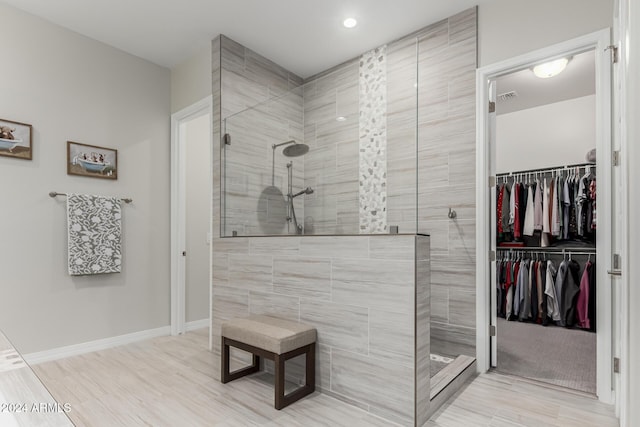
(543, 286)
(191, 212)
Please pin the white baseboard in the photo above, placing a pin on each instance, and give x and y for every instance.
(196, 324)
(88, 347)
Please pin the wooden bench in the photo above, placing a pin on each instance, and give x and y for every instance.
(274, 339)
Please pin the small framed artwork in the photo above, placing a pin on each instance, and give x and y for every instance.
(15, 140)
(91, 161)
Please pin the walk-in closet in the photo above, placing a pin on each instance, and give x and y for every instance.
(546, 223)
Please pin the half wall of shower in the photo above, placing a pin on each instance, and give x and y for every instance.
(381, 141)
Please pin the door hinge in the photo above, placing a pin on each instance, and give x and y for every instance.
(492, 255)
(492, 181)
(616, 365)
(614, 53)
(492, 330)
(227, 139)
(615, 158)
(184, 253)
(492, 107)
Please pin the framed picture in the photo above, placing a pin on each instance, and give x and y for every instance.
(92, 161)
(15, 140)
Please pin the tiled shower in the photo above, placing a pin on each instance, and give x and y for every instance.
(391, 137)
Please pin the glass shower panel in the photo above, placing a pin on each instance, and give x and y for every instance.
(257, 176)
(336, 156)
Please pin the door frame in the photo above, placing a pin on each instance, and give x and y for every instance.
(178, 210)
(485, 168)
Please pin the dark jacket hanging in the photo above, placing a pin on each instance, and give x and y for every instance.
(570, 290)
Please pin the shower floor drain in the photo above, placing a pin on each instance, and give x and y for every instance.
(442, 359)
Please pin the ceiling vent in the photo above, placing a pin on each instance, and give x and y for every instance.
(507, 96)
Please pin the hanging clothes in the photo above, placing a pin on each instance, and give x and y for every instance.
(537, 208)
(528, 228)
(582, 305)
(570, 291)
(553, 308)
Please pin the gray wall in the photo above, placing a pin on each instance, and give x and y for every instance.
(508, 28)
(191, 80)
(70, 87)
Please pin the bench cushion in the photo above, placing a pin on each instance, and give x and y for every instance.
(269, 333)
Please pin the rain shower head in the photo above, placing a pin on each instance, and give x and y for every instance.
(296, 150)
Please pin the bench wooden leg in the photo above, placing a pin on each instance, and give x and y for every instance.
(282, 400)
(226, 375)
(278, 363)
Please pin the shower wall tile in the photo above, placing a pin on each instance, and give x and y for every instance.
(388, 392)
(275, 246)
(250, 80)
(452, 340)
(423, 329)
(302, 277)
(439, 303)
(275, 305)
(462, 306)
(447, 54)
(398, 248)
(391, 336)
(251, 273)
(331, 320)
(335, 247)
(360, 292)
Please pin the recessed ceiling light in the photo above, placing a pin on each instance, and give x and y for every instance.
(341, 118)
(550, 69)
(350, 22)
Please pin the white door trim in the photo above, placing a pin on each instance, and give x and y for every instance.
(178, 214)
(484, 169)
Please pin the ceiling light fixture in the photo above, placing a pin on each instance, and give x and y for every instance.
(550, 69)
(341, 118)
(349, 22)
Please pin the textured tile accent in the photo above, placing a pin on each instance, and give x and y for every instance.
(373, 141)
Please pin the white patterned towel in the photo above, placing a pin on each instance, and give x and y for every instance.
(95, 228)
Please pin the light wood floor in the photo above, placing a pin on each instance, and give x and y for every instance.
(169, 381)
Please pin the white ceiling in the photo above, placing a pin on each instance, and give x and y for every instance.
(577, 80)
(304, 36)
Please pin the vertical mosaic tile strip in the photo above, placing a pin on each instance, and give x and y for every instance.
(373, 141)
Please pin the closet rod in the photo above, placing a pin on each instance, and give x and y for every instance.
(55, 194)
(552, 252)
(545, 249)
(565, 167)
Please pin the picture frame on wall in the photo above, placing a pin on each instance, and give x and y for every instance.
(16, 140)
(91, 161)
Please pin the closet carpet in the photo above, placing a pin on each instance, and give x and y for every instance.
(552, 354)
